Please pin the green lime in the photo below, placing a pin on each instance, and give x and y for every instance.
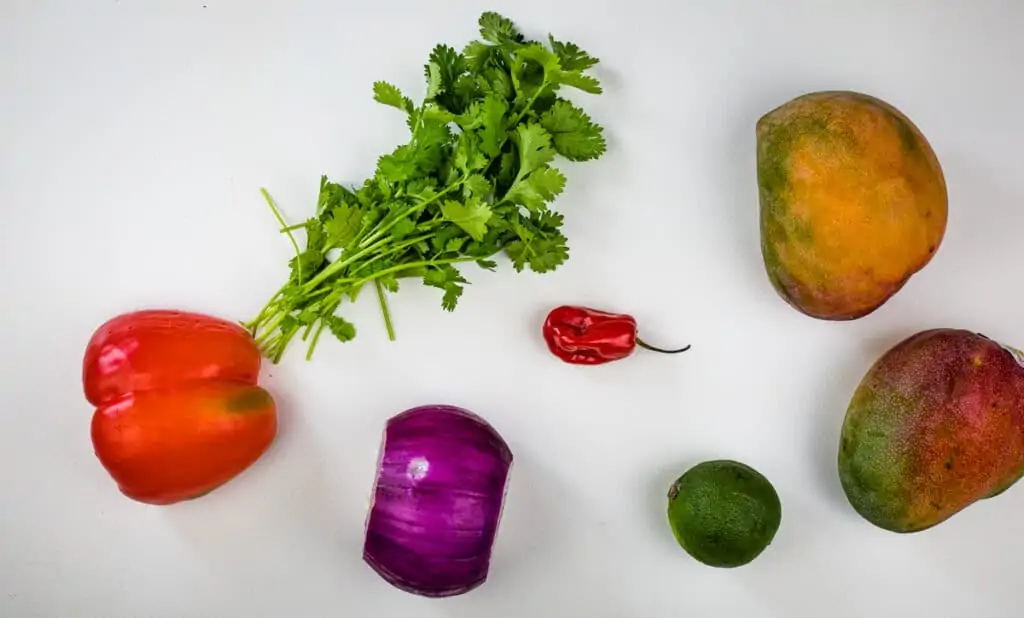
(723, 513)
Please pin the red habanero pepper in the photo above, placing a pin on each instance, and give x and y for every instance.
(585, 336)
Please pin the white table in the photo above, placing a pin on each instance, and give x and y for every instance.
(134, 138)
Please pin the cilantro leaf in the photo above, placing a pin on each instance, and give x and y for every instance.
(343, 224)
(488, 118)
(450, 65)
(477, 186)
(508, 169)
(534, 68)
(331, 194)
(447, 278)
(534, 190)
(574, 134)
(452, 294)
(493, 124)
(433, 75)
(403, 228)
(534, 144)
(307, 263)
(477, 55)
(388, 94)
(495, 81)
(389, 283)
(429, 146)
(341, 328)
(455, 245)
(397, 166)
(445, 235)
(542, 254)
(472, 216)
(586, 83)
(497, 29)
(537, 53)
(570, 56)
(467, 157)
(437, 114)
(548, 221)
(422, 188)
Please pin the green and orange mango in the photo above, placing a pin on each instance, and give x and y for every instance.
(853, 202)
(935, 425)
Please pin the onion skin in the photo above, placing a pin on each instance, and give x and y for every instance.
(437, 501)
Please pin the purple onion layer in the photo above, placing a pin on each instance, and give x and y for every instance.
(437, 501)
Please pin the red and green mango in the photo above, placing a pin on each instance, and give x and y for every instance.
(935, 425)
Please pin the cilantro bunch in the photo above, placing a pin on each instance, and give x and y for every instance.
(475, 179)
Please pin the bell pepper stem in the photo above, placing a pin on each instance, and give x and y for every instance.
(641, 343)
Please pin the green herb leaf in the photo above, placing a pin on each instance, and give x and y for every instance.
(451, 65)
(586, 83)
(574, 135)
(389, 283)
(537, 188)
(534, 144)
(478, 186)
(570, 56)
(472, 216)
(388, 94)
(398, 166)
(447, 278)
(497, 29)
(541, 254)
(341, 328)
(477, 54)
(403, 228)
(433, 75)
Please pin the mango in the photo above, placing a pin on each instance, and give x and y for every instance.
(935, 425)
(853, 202)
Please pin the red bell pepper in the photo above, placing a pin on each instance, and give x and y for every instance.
(585, 336)
(178, 409)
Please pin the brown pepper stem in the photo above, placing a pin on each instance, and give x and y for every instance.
(640, 342)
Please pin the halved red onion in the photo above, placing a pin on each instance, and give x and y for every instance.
(437, 501)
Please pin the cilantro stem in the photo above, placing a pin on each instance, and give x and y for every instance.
(396, 249)
(316, 337)
(339, 264)
(254, 324)
(329, 311)
(377, 233)
(384, 309)
(411, 265)
(529, 104)
(291, 237)
(269, 329)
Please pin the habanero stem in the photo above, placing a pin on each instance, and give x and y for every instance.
(641, 343)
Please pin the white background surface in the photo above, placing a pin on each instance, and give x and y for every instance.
(134, 137)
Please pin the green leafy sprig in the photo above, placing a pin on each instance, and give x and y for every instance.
(475, 179)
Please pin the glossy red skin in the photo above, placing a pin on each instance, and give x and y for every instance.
(178, 409)
(585, 336)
